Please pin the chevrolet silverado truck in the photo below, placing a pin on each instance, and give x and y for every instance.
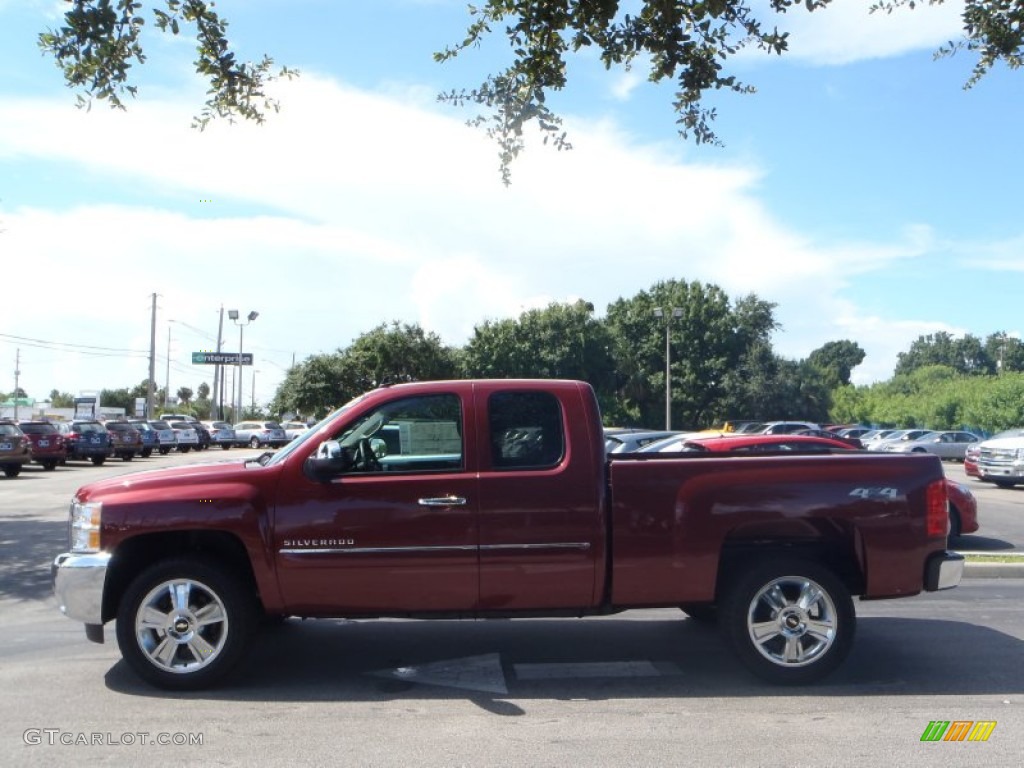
(496, 499)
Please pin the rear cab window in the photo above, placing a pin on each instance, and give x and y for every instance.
(526, 430)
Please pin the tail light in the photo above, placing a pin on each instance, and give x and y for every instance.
(938, 510)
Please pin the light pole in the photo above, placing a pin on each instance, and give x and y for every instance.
(668, 315)
(233, 315)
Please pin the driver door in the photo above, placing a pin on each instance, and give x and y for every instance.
(395, 533)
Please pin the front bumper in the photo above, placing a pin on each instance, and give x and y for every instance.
(78, 582)
(943, 571)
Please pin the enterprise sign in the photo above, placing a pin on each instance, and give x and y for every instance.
(220, 358)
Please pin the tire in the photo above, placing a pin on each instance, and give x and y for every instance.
(767, 598)
(127, 456)
(254, 442)
(184, 448)
(1004, 483)
(193, 639)
(226, 446)
(49, 465)
(703, 613)
(12, 470)
(98, 460)
(147, 452)
(164, 451)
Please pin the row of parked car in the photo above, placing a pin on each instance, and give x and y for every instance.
(51, 443)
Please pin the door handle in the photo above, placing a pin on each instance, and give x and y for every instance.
(443, 501)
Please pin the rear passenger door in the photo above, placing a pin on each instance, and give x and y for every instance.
(540, 519)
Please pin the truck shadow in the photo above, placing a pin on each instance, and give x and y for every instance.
(974, 543)
(27, 547)
(587, 659)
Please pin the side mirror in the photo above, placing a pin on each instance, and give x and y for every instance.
(379, 447)
(329, 461)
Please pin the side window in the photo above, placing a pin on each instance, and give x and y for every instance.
(526, 430)
(414, 434)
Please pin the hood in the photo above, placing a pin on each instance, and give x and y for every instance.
(1010, 443)
(169, 477)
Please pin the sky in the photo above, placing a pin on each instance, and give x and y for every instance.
(862, 190)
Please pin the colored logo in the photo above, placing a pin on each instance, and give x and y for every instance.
(958, 730)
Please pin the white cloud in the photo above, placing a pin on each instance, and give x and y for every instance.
(846, 31)
(349, 209)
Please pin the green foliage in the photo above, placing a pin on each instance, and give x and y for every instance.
(203, 391)
(835, 360)
(117, 398)
(706, 341)
(101, 38)
(384, 355)
(184, 395)
(965, 354)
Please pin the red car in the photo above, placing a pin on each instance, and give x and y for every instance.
(47, 443)
(971, 460)
(963, 507)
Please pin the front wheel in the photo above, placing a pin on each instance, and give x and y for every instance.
(790, 621)
(184, 623)
(254, 442)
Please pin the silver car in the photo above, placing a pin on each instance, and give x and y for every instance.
(950, 445)
(259, 434)
(221, 433)
(166, 440)
(186, 436)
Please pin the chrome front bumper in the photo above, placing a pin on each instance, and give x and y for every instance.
(78, 582)
(943, 571)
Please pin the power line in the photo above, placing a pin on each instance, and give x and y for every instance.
(59, 344)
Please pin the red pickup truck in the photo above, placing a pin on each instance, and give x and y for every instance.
(496, 499)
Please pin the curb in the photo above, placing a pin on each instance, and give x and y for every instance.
(977, 568)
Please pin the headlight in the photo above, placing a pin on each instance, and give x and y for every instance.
(85, 526)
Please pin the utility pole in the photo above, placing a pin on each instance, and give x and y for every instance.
(17, 373)
(217, 411)
(151, 384)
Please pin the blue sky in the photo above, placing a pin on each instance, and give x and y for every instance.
(861, 189)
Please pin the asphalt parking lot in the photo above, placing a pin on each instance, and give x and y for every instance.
(639, 688)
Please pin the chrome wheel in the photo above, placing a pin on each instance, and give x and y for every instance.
(181, 626)
(792, 621)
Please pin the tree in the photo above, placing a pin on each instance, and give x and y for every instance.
(563, 341)
(61, 399)
(203, 392)
(385, 355)
(706, 342)
(184, 395)
(964, 355)
(689, 43)
(100, 39)
(836, 360)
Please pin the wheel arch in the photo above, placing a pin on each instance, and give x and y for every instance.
(138, 553)
(835, 546)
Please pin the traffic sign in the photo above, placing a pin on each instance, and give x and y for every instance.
(220, 358)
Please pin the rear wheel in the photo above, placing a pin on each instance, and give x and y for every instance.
(254, 442)
(147, 452)
(12, 470)
(226, 446)
(184, 623)
(790, 621)
(184, 448)
(127, 456)
(98, 460)
(50, 464)
(164, 450)
(1004, 483)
